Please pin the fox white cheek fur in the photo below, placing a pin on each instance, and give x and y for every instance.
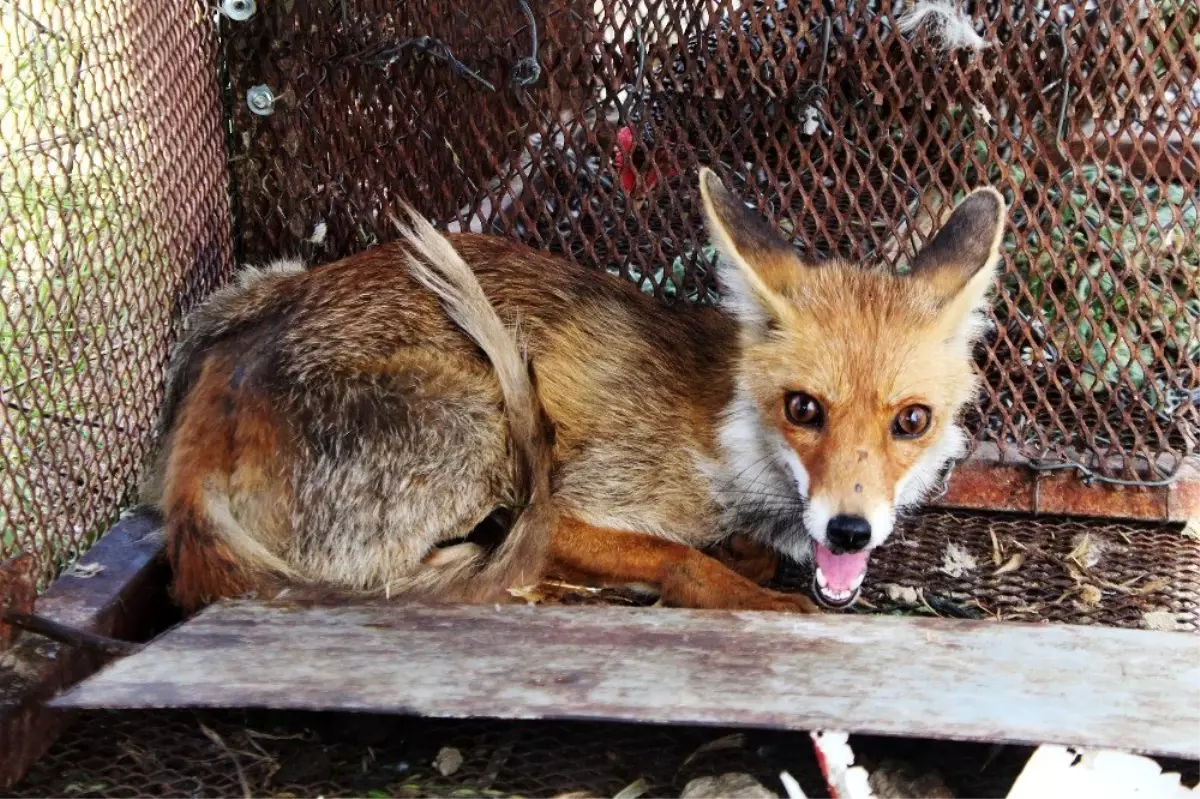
(796, 467)
(916, 484)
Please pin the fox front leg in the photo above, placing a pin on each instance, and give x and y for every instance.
(685, 576)
(748, 558)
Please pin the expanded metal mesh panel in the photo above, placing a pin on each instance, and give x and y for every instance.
(579, 126)
(113, 220)
(294, 755)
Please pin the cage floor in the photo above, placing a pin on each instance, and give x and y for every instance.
(262, 753)
(939, 562)
(170, 753)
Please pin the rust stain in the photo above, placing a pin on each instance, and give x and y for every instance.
(989, 481)
(18, 592)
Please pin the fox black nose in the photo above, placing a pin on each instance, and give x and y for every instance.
(848, 533)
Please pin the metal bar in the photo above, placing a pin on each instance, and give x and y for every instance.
(1002, 480)
(47, 628)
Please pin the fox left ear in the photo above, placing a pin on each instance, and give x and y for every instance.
(960, 263)
(764, 265)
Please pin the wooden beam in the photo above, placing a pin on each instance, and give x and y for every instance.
(930, 678)
(117, 589)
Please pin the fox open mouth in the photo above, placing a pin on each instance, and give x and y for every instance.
(838, 576)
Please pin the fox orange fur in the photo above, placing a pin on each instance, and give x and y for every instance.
(454, 416)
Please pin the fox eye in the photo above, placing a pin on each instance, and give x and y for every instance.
(912, 422)
(802, 410)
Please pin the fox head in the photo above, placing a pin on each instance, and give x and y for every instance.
(850, 380)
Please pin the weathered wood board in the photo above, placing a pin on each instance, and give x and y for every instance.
(991, 681)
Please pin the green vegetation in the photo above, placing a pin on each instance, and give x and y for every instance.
(74, 248)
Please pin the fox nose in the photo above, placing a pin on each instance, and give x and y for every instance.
(848, 533)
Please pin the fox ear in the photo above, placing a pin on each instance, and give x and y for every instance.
(960, 263)
(764, 265)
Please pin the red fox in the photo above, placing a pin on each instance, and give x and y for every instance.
(452, 417)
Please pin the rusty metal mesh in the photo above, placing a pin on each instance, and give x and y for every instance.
(854, 124)
(1051, 570)
(113, 220)
(578, 127)
(292, 754)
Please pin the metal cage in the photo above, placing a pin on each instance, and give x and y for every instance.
(149, 148)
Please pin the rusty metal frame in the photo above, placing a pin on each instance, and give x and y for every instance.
(1003, 480)
(118, 589)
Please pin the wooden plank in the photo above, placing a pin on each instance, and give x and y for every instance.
(118, 590)
(938, 678)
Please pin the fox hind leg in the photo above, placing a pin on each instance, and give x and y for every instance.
(223, 449)
(397, 463)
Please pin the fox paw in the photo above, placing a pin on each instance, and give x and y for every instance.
(786, 603)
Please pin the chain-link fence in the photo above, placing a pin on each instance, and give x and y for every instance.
(114, 218)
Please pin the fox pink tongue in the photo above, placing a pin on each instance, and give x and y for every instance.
(841, 572)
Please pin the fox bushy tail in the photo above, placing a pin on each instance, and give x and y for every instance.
(520, 558)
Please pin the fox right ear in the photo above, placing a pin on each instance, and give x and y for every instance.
(965, 251)
(764, 265)
(960, 263)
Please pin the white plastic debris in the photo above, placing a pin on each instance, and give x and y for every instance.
(794, 791)
(1051, 771)
(1065, 771)
(836, 758)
